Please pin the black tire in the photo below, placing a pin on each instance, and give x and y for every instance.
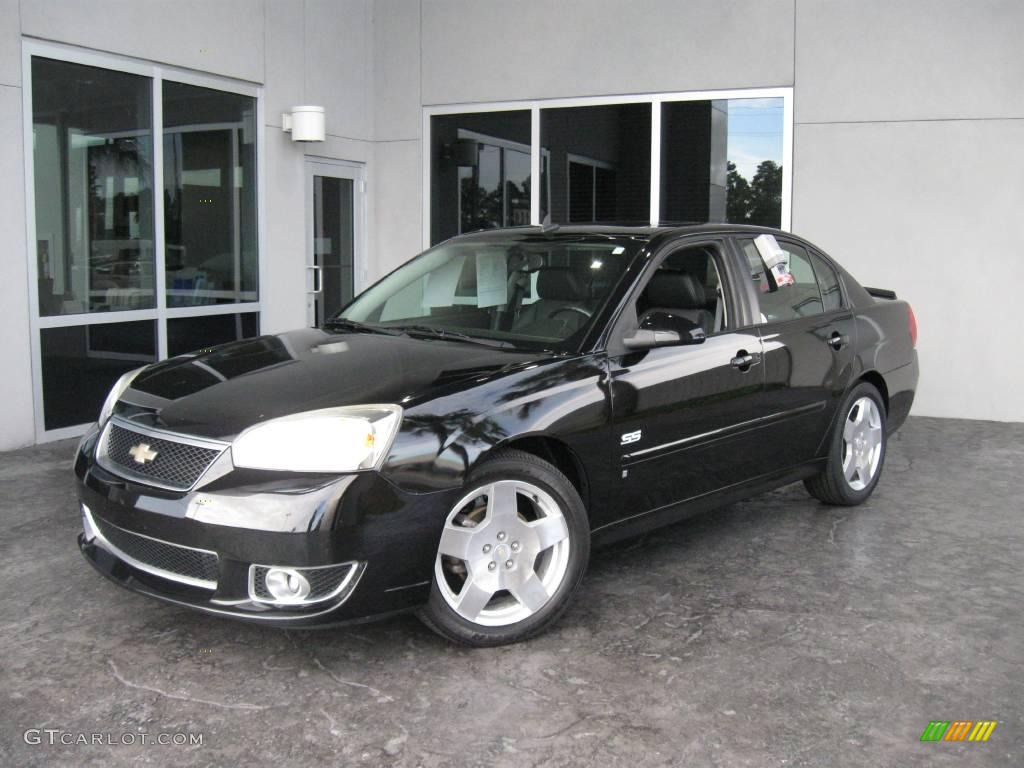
(831, 486)
(519, 465)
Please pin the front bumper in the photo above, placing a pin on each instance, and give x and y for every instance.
(380, 539)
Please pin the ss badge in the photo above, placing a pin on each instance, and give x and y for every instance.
(631, 437)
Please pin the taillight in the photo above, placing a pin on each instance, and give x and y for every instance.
(912, 323)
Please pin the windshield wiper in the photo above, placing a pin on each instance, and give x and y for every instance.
(343, 323)
(426, 331)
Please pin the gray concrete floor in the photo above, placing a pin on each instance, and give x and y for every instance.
(774, 632)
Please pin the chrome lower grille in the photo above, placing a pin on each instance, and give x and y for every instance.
(162, 459)
(188, 565)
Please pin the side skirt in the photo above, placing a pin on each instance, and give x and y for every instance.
(673, 513)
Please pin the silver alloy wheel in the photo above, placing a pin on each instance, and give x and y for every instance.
(862, 443)
(507, 542)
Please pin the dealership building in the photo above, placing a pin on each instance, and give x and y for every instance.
(179, 173)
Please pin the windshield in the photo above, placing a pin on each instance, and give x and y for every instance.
(528, 292)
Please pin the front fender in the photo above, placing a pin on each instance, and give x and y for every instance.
(440, 442)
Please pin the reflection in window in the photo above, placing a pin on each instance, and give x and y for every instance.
(480, 172)
(333, 246)
(80, 364)
(722, 161)
(190, 334)
(796, 297)
(93, 169)
(600, 163)
(209, 142)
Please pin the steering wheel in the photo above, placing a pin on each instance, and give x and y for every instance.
(581, 310)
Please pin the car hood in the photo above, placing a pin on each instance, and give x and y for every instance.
(219, 392)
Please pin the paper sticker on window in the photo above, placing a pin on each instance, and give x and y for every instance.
(491, 278)
(776, 259)
(439, 290)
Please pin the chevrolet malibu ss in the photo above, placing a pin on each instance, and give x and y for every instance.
(455, 440)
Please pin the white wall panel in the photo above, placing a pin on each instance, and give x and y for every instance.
(927, 209)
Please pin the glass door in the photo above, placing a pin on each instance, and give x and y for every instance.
(335, 193)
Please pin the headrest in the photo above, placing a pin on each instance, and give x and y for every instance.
(675, 289)
(562, 284)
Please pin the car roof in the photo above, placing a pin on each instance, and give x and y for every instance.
(614, 229)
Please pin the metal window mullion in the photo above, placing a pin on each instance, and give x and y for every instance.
(535, 166)
(236, 212)
(655, 162)
(159, 243)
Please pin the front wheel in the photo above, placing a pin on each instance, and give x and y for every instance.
(512, 553)
(857, 450)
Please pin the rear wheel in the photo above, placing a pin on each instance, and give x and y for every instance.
(857, 450)
(512, 553)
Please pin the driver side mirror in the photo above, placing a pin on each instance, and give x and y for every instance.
(645, 338)
(664, 329)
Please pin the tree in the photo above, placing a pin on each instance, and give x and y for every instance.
(758, 202)
(737, 205)
(766, 195)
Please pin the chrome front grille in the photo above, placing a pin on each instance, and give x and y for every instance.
(188, 565)
(163, 459)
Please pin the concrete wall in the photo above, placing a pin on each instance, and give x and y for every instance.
(909, 168)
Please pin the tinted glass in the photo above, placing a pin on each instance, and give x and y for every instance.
(192, 334)
(722, 161)
(93, 170)
(828, 283)
(684, 294)
(209, 140)
(333, 243)
(795, 298)
(81, 364)
(537, 292)
(599, 163)
(480, 172)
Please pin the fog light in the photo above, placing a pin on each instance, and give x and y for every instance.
(287, 585)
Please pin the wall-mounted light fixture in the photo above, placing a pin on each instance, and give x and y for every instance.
(306, 123)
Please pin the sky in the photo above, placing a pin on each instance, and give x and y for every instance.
(755, 133)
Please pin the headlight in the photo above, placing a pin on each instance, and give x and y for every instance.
(115, 394)
(329, 440)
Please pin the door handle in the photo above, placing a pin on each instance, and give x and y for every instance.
(837, 340)
(318, 281)
(744, 360)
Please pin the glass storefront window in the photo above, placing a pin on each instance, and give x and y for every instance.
(721, 160)
(93, 169)
(599, 163)
(708, 160)
(190, 334)
(480, 172)
(80, 364)
(96, 250)
(209, 139)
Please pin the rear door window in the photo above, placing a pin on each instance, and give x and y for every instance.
(793, 299)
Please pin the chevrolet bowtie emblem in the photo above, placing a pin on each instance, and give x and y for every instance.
(142, 453)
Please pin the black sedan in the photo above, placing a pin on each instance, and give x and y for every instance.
(455, 439)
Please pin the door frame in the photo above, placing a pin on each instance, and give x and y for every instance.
(338, 169)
